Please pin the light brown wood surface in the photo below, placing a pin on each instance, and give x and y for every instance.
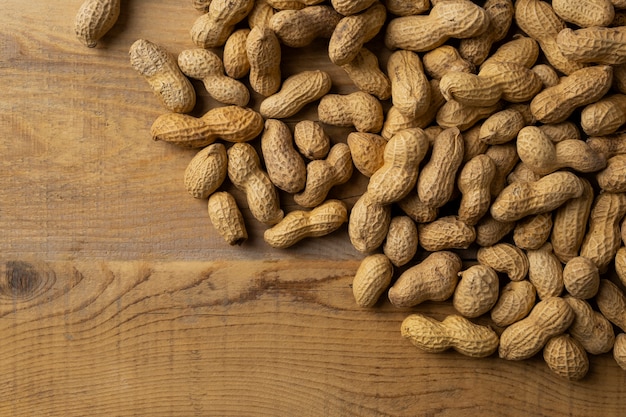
(117, 298)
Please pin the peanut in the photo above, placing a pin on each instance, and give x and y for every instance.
(566, 357)
(523, 173)
(446, 232)
(530, 233)
(367, 150)
(229, 123)
(227, 218)
(521, 50)
(206, 171)
(433, 279)
(595, 44)
(545, 272)
(444, 59)
(244, 171)
(349, 7)
(490, 231)
(585, 13)
(371, 280)
(213, 28)
(474, 183)
(297, 225)
(260, 14)
(516, 300)
(590, 327)
(235, 57)
(605, 116)
(94, 19)
(424, 33)
(201, 5)
(296, 92)
(204, 65)
(609, 145)
(612, 303)
(613, 178)
(410, 89)
(298, 28)
(619, 350)
(546, 74)
(368, 224)
(558, 132)
(311, 140)
(292, 4)
(402, 156)
(501, 127)
(160, 70)
(407, 8)
(477, 291)
(284, 165)
(454, 114)
(454, 332)
(401, 242)
(264, 53)
(620, 264)
(505, 158)
(359, 109)
(523, 339)
(506, 258)
(472, 145)
(416, 209)
(364, 72)
(581, 277)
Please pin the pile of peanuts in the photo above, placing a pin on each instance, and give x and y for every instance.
(482, 145)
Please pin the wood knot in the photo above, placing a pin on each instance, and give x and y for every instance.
(22, 280)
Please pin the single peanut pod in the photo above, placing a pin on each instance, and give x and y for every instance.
(506, 258)
(323, 174)
(521, 50)
(261, 13)
(359, 109)
(609, 145)
(444, 59)
(446, 232)
(299, 224)
(416, 209)
(235, 56)
(558, 132)
(472, 144)
(201, 5)
(454, 332)
(620, 264)
(227, 218)
(605, 116)
(585, 86)
(160, 70)
(585, 13)
(454, 114)
(566, 357)
(350, 7)
(505, 158)
(501, 127)
(525, 338)
(435, 182)
(94, 19)
(581, 277)
(284, 164)
(619, 350)
(292, 4)
(603, 232)
(296, 92)
(474, 183)
(368, 224)
(366, 75)
(410, 89)
(353, 31)
(213, 28)
(522, 199)
(570, 224)
(424, 33)
(244, 171)
(206, 172)
(264, 54)
(547, 74)
(371, 280)
(401, 242)
(532, 232)
(407, 8)
(433, 279)
(545, 272)
(516, 300)
(590, 327)
(598, 45)
(367, 150)
(490, 231)
(613, 178)
(612, 303)
(230, 123)
(311, 140)
(298, 28)
(204, 65)
(477, 291)
(402, 156)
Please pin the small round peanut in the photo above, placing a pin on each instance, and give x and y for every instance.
(227, 218)
(311, 140)
(297, 225)
(299, 28)
(213, 28)
(545, 272)
(235, 56)
(546, 74)
(446, 232)
(532, 232)
(474, 183)
(206, 171)
(581, 277)
(366, 75)
(372, 279)
(516, 300)
(261, 13)
(410, 89)
(612, 179)
(477, 291)
(284, 164)
(94, 19)
(401, 242)
(566, 357)
(590, 327)
(506, 258)
(368, 224)
(359, 109)
(264, 54)
(605, 116)
(612, 303)
(367, 151)
(296, 92)
(585, 13)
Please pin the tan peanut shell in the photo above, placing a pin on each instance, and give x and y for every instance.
(524, 338)
(262, 12)
(235, 56)
(372, 279)
(585, 13)
(367, 151)
(446, 232)
(349, 7)
(297, 91)
(433, 279)
(546, 74)
(454, 114)
(490, 231)
(244, 171)
(201, 5)
(521, 50)
(612, 303)
(284, 164)
(359, 109)
(477, 291)
(94, 19)
(598, 45)
(366, 75)
(516, 300)
(522, 173)
(402, 156)
(620, 264)
(298, 28)
(213, 28)
(605, 116)
(472, 145)
(474, 183)
(323, 174)
(530, 233)
(206, 171)
(454, 332)
(609, 145)
(566, 357)
(590, 327)
(581, 277)
(558, 132)
(368, 224)
(505, 158)
(264, 55)
(401, 242)
(443, 59)
(229, 123)
(501, 127)
(545, 272)
(506, 258)
(613, 178)
(416, 209)
(297, 225)
(227, 218)
(160, 69)
(410, 89)
(619, 350)
(407, 8)
(311, 140)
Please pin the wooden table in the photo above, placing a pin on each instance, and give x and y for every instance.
(117, 298)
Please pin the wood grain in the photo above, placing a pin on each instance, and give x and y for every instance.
(118, 298)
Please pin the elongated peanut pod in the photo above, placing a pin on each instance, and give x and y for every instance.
(94, 19)
(227, 218)
(371, 279)
(296, 92)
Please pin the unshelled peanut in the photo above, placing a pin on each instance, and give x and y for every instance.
(94, 19)
(227, 218)
(372, 279)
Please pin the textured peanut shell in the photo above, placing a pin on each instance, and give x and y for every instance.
(585, 13)
(477, 291)
(235, 56)
(472, 145)
(516, 300)
(522, 172)
(262, 12)
(367, 151)
(613, 178)
(521, 50)
(609, 145)
(612, 303)
(581, 277)
(558, 132)
(620, 264)
(213, 28)
(366, 75)
(619, 350)
(501, 127)
(548, 75)
(401, 242)
(598, 45)
(566, 357)
(297, 91)
(264, 54)
(372, 279)
(311, 140)
(506, 258)
(490, 231)
(350, 7)
(433, 279)
(206, 171)
(505, 158)
(368, 224)
(454, 332)
(94, 19)
(474, 183)
(416, 209)
(359, 109)
(284, 164)
(444, 59)
(454, 114)
(410, 89)
(446, 232)
(298, 28)
(530, 233)
(227, 218)
(545, 272)
(605, 116)
(590, 327)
